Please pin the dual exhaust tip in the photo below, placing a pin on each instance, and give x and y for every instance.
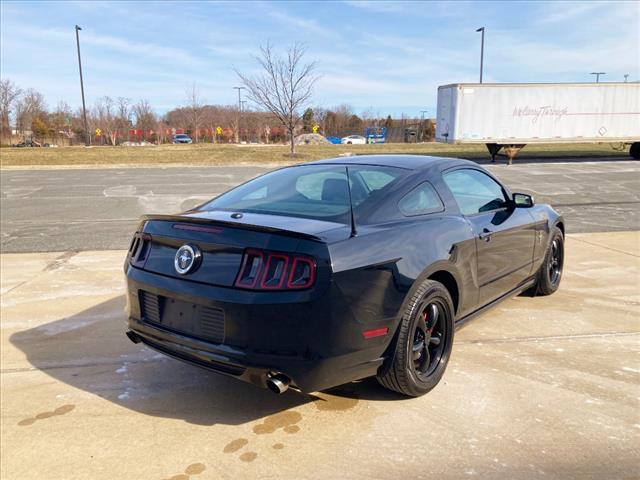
(276, 382)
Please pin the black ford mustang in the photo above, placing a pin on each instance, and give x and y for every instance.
(323, 273)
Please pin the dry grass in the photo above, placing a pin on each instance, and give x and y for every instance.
(207, 154)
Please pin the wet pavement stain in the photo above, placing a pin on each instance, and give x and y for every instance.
(193, 469)
(248, 456)
(279, 420)
(235, 445)
(60, 262)
(292, 429)
(41, 416)
(331, 403)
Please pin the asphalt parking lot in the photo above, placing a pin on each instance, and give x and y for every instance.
(95, 209)
(543, 387)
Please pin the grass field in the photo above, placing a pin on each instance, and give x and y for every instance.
(208, 154)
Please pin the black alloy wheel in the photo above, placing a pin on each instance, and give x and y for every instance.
(550, 273)
(428, 339)
(555, 261)
(422, 346)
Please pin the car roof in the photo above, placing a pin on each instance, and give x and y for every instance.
(408, 162)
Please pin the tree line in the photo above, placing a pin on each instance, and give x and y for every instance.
(282, 92)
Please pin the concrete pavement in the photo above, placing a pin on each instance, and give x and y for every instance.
(544, 387)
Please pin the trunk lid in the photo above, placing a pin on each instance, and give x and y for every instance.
(223, 240)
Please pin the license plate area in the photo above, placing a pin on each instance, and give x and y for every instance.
(187, 318)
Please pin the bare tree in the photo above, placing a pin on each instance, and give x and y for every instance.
(60, 121)
(9, 93)
(123, 107)
(145, 118)
(30, 107)
(194, 110)
(284, 87)
(106, 115)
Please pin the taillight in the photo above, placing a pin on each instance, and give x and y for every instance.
(139, 249)
(262, 270)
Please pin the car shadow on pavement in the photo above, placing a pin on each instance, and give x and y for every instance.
(89, 351)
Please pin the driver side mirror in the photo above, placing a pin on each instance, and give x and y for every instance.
(522, 200)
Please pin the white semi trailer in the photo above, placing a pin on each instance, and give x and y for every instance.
(511, 115)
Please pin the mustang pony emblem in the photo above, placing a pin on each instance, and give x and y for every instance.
(187, 259)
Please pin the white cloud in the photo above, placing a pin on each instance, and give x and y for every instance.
(379, 6)
(564, 11)
(306, 25)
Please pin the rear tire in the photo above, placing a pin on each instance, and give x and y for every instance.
(550, 273)
(423, 346)
(634, 150)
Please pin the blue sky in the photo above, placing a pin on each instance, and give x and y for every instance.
(384, 57)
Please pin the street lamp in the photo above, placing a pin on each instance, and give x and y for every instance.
(481, 29)
(239, 112)
(626, 77)
(597, 74)
(87, 139)
(422, 112)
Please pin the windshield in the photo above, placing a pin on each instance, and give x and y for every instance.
(311, 191)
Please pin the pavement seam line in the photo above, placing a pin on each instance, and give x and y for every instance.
(602, 246)
(546, 338)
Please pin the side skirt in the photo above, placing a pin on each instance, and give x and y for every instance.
(511, 293)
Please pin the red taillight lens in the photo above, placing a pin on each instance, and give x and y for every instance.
(250, 269)
(275, 271)
(303, 272)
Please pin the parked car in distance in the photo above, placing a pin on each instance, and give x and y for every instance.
(181, 138)
(354, 139)
(323, 273)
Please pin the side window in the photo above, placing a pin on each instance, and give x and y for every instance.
(421, 200)
(474, 191)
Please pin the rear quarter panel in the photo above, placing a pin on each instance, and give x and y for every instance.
(376, 270)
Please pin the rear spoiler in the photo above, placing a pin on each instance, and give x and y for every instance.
(244, 226)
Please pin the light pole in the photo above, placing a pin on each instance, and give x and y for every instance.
(242, 110)
(626, 77)
(87, 140)
(239, 112)
(422, 112)
(481, 29)
(597, 74)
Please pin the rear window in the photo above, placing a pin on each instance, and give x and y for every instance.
(310, 191)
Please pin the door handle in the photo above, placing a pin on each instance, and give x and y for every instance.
(485, 235)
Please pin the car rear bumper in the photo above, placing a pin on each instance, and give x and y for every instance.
(316, 343)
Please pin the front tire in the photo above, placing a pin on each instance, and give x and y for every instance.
(423, 346)
(550, 273)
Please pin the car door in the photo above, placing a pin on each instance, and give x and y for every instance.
(504, 235)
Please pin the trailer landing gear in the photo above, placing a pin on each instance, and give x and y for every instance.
(510, 151)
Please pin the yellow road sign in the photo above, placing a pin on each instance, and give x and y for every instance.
(98, 132)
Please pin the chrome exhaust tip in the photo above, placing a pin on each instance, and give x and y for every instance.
(278, 383)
